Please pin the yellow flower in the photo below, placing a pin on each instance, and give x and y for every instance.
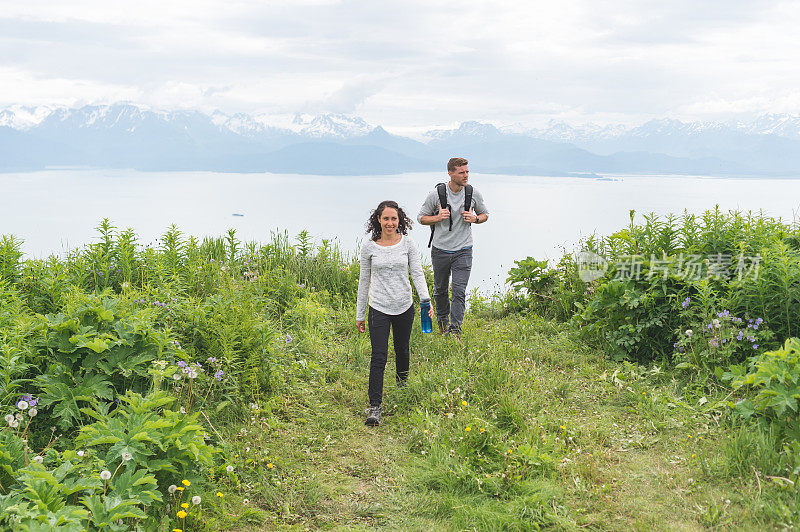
(509, 451)
(467, 429)
(563, 427)
(463, 403)
(186, 482)
(694, 456)
(219, 494)
(182, 514)
(177, 530)
(269, 465)
(179, 488)
(426, 431)
(483, 430)
(185, 505)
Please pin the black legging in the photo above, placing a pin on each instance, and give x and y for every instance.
(379, 324)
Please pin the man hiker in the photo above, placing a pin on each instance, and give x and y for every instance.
(448, 209)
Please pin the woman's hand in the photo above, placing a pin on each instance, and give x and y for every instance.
(430, 313)
(360, 326)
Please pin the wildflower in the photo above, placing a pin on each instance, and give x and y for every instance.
(483, 430)
(245, 501)
(182, 514)
(186, 483)
(218, 375)
(185, 505)
(126, 457)
(219, 494)
(81, 453)
(182, 363)
(13, 423)
(689, 333)
(196, 500)
(9, 418)
(563, 427)
(686, 302)
(463, 403)
(229, 469)
(270, 466)
(192, 374)
(38, 459)
(22, 405)
(105, 474)
(180, 488)
(755, 326)
(211, 360)
(449, 415)
(172, 489)
(176, 376)
(715, 322)
(755, 346)
(426, 431)
(288, 338)
(467, 429)
(177, 530)
(183, 410)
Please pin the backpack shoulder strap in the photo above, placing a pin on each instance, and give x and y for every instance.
(442, 192)
(467, 197)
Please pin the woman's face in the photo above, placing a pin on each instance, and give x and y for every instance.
(389, 220)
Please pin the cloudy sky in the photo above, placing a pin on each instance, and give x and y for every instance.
(410, 63)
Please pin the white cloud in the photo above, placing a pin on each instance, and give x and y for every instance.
(409, 63)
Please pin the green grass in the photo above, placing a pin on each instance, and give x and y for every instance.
(572, 441)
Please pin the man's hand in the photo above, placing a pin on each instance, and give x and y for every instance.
(469, 216)
(360, 326)
(444, 214)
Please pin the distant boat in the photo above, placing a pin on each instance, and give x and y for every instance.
(237, 214)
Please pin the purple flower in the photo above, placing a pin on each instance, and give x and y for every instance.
(755, 326)
(755, 346)
(182, 364)
(686, 302)
(218, 375)
(288, 338)
(211, 360)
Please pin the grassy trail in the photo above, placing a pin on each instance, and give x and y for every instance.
(629, 452)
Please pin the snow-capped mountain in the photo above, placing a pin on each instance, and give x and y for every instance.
(136, 136)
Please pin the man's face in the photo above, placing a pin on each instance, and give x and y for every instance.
(460, 175)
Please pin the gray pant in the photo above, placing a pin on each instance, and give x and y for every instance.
(459, 264)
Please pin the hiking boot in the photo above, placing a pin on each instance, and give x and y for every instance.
(374, 416)
(455, 332)
(444, 327)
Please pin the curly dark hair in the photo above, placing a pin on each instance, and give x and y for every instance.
(374, 224)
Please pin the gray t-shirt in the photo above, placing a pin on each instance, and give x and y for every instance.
(461, 235)
(384, 277)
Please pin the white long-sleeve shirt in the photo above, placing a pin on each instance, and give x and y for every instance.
(384, 277)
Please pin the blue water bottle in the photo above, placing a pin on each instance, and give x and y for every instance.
(425, 318)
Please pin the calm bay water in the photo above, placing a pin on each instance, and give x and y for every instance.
(53, 211)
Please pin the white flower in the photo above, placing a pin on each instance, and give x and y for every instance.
(192, 374)
(172, 488)
(716, 323)
(689, 333)
(22, 405)
(126, 285)
(32, 412)
(183, 410)
(105, 474)
(126, 457)
(81, 453)
(18, 416)
(9, 418)
(176, 376)
(196, 500)
(449, 415)
(229, 469)
(14, 424)
(38, 459)
(245, 501)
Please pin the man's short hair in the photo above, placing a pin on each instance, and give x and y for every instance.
(455, 162)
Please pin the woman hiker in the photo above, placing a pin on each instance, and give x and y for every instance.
(386, 259)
